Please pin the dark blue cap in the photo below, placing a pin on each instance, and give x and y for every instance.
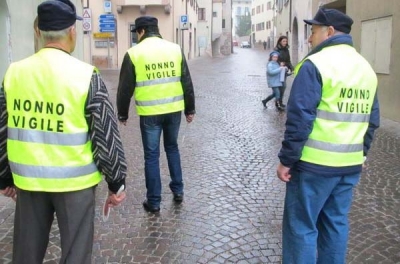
(145, 21)
(332, 17)
(274, 53)
(54, 15)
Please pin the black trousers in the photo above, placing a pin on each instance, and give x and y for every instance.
(282, 90)
(34, 215)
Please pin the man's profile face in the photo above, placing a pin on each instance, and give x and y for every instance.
(319, 33)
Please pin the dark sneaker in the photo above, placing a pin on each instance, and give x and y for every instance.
(178, 197)
(149, 208)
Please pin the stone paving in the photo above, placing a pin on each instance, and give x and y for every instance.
(233, 200)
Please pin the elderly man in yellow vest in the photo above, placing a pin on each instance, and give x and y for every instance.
(332, 114)
(58, 136)
(156, 73)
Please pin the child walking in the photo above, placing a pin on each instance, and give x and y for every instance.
(274, 71)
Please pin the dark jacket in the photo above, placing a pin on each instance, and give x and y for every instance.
(284, 56)
(302, 110)
(127, 83)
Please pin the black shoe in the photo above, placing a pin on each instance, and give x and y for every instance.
(150, 208)
(264, 102)
(178, 197)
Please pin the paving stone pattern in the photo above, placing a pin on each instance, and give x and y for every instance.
(233, 203)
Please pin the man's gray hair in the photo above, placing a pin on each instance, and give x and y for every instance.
(47, 36)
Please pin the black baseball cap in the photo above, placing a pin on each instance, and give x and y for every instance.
(144, 21)
(54, 15)
(331, 17)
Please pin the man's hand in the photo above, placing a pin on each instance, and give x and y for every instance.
(116, 199)
(283, 173)
(10, 192)
(189, 118)
(113, 199)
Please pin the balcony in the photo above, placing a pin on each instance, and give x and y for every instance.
(165, 3)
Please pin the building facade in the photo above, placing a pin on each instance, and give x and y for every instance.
(241, 11)
(16, 31)
(373, 35)
(262, 22)
(111, 23)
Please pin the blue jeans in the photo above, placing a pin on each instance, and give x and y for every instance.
(315, 218)
(275, 93)
(151, 128)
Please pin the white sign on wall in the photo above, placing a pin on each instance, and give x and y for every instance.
(183, 22)
(107, 6)
(87, 19)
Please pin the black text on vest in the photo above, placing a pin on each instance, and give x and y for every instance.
(49, 110)
(354, 101)
(160, 70)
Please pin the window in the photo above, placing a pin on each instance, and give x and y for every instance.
(269, 5)
(214, 14)
(238, 11)
(376, 42)
(201, 14)
(223, 23)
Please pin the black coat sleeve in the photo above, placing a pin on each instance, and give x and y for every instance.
(126, 87)
(188, 90)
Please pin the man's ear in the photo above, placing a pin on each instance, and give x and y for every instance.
(331, 31)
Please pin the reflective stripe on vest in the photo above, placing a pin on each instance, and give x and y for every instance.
(52, 172)
(344, 148)
(160, 101)
(48, 146)
(158, 81)
(344, 110)
(45, 137)
(158, 88)
(342, 117)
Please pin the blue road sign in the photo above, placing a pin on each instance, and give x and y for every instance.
(107, 29)
(184, 18)
(107, 21)
(107, 26)
(106, 16)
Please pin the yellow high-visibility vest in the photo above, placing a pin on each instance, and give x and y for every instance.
(343, 114)
(158, 87)
(48, 146)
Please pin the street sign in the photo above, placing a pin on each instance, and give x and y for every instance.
(103, 35)
(87, 19)
(107, 26)
(107, 23)
(106, 16)
(112, 30)
(87, 26)
(184, 22)
(107, 6)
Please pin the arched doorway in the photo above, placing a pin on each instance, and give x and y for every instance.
(5, 48)
(295, 42)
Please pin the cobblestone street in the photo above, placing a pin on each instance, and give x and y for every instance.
(233, 200)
